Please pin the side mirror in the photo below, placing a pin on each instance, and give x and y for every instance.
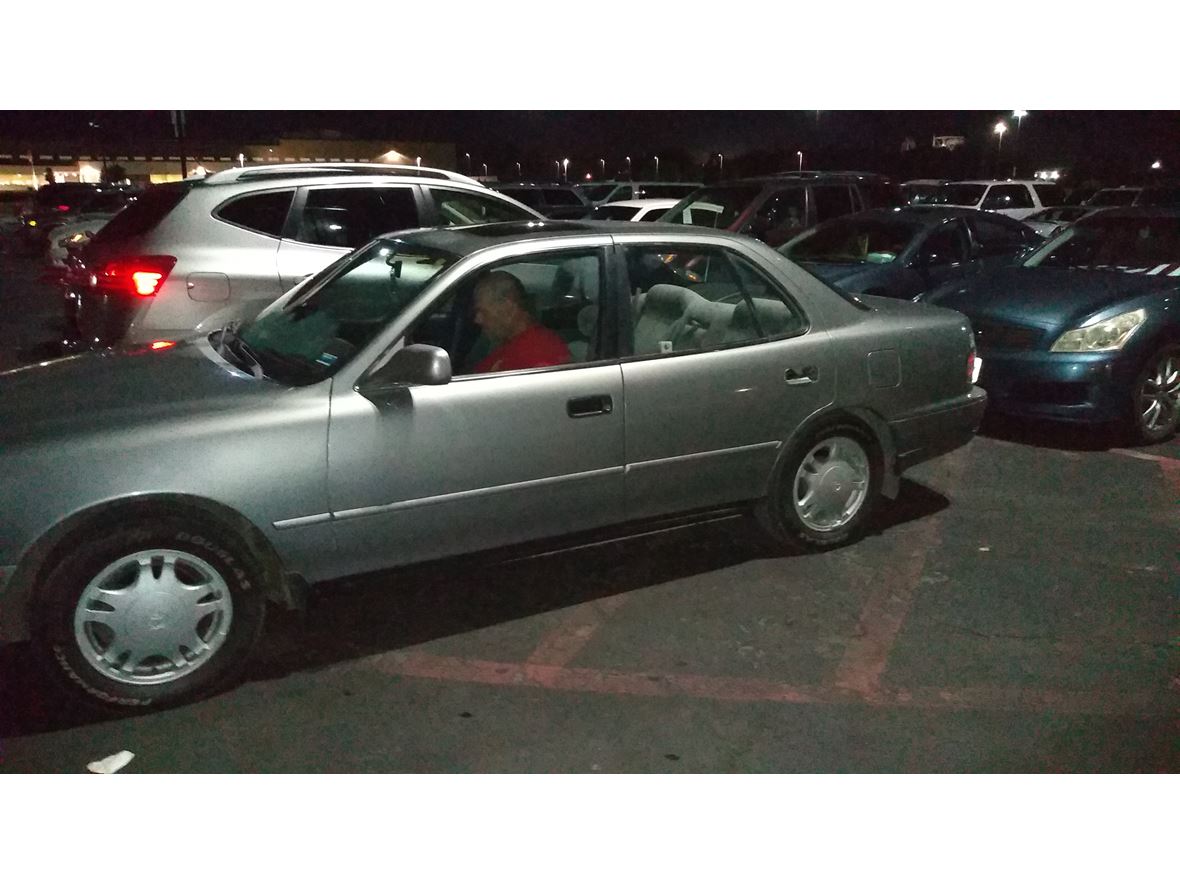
(412, 365)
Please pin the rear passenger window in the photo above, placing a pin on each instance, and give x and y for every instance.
(461, 207)
(1007, 196)
(687, 299)
(262, 213)
(349, 217)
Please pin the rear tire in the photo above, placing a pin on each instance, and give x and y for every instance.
(823, 490)
(154, 613)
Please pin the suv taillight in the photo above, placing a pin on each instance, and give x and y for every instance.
(142, 275)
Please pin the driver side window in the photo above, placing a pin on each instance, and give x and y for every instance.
(528, 313)
(944, 246)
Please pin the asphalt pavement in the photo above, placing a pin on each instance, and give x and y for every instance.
(1014, 610)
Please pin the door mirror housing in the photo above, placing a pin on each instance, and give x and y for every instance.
(413, 365)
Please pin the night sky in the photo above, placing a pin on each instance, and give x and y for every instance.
(1108, 142)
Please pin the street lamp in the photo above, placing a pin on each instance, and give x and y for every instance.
(720, 165)
(1019, 115)
(657, 168)
(519, 176)
(485, 169)
(468, 156)
(557, 163)
(628, 159)
(799, 154)
(565, 168)
(602, 163)
(1157, 165)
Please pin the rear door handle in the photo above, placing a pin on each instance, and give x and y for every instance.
(806, 375)
(588, 406)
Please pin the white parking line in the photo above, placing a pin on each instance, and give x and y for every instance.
(1144, 456)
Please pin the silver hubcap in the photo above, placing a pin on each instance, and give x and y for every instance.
(1159, 397)
(153, 617)
(831, 484)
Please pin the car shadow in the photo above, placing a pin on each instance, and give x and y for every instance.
(1052, 434)
(386, 611)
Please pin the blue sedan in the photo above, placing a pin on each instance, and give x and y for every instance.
(1087, 328)
(901, 253)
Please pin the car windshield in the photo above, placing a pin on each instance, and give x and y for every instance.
(854, 241)
(959, 194)
(1114, 197)
(1113, 243)
(596, 192)
(723, 205)
(314, 334)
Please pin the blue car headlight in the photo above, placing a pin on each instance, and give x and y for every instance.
(1104, 335)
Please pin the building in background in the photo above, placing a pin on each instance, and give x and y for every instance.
(23, 166)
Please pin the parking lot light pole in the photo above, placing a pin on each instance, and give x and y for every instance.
(629, 176)
(557, 163)
(1000, 128)
(721, 165)
(565, 168)
(519, 176)
(657, 168)
(602, 163)
(1019, 117)
(799, 154)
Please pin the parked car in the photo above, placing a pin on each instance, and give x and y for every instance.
(776, 208)
(1078, 196)
(550, 200)
(361, 422)
(652, 210)
(1087, 328)
(196, 254)
(900, 253)
(71, 239)
(1113, 196)
(1159, 195)
(920, 190)
(615, 191)
(1016, 199)
(1048, 222)
(46, 207)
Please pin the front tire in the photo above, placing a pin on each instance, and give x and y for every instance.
(154, 613)
(823, 491)
(1155, 407)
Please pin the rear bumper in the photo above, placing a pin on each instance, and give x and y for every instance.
(1083, 388)
(922, 437)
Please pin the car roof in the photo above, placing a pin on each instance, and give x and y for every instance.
(1135, 212)
(999, 181)
(645, 203)
(465, 239)
(932, 214)
(319, 172)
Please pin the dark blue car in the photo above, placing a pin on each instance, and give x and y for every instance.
(1087, 328)
(901, 253)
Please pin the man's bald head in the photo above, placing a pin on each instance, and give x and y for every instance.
(501, 305)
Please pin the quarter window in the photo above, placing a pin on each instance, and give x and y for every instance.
(262, 213)
(349, 217)
(460, 207)
(687, 299)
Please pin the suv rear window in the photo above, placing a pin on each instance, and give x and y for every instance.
(145, 213)
(262, 213)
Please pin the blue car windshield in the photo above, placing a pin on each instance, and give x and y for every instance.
(854, 241)
(314, 334)
(1120, 243)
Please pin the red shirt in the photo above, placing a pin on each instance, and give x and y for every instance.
(534, 347)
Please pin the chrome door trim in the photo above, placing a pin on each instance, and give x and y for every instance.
(697, 456)
(379, 509)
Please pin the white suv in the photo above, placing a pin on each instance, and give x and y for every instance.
(194, 255)
(1016, 199)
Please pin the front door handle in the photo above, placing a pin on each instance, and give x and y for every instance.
(587, 406)
(806, 375)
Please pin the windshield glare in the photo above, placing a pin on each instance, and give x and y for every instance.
(316, 333)
(959, 194)
(1115, 243)
(854, 241)
(720, 206)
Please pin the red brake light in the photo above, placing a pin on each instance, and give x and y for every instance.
(63, 208)
(142, 275)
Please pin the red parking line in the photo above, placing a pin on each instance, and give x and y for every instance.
(562, 644)
(884, 614)
(746, 690)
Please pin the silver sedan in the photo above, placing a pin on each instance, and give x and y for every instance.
(440, 392)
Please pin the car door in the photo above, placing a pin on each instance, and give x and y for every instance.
(724, 364)
(491, 458)
(331, 220)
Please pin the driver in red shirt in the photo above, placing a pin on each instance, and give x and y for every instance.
(519, 341)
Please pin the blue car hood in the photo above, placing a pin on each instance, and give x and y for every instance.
(1047, 297)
